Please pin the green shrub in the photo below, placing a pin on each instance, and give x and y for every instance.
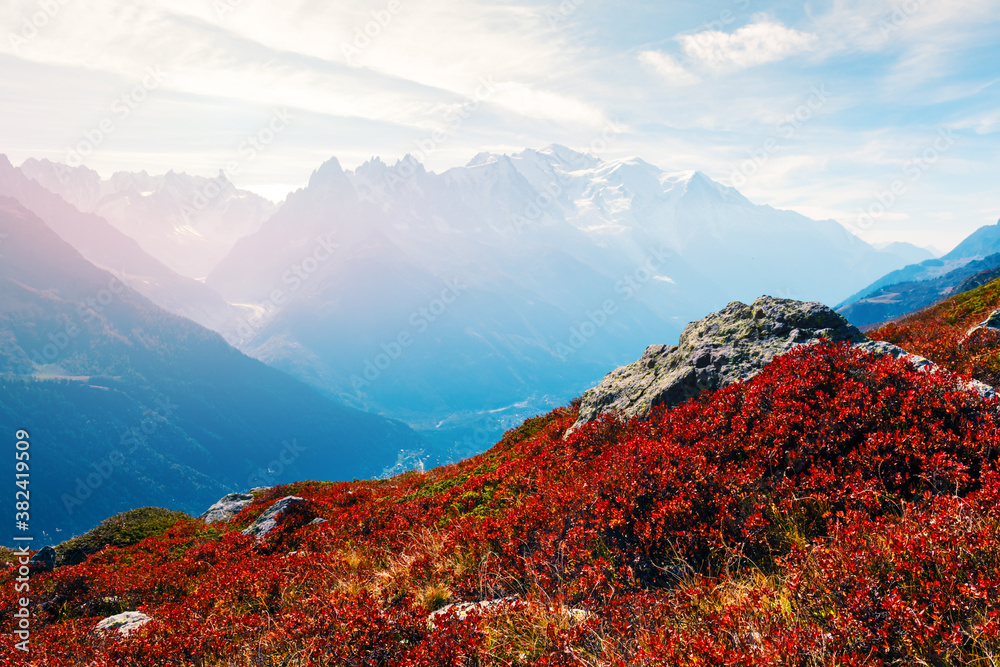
(120, 530)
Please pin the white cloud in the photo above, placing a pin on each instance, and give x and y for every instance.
(983, 123)
(668, 67)
(545, 105)
(226, 72)
(926, 35)
(422, 57)
(764, 41)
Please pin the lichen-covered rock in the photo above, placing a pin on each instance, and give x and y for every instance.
(276, 514)
(227, 507)
(124, 623)
(731, 345)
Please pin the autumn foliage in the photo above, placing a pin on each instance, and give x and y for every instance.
(839, 509)
(943, 334)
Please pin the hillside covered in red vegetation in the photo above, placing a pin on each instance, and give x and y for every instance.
(838, 509)
(948, 334)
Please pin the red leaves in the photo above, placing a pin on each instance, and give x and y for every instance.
(837, 509)
(907, 587)
(942, 334)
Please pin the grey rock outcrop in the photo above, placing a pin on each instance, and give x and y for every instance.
(124, 623)
(274, 516)
(227, 507)
(993, 321)
(732, 345)
(44, 560)
(881, 348)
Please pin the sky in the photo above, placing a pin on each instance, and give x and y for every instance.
(881, 114)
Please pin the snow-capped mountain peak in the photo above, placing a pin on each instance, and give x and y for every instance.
(328, 174)
(482, 158)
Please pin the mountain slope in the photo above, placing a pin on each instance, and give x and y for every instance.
(113, 251)
(984, 241)
(569, 265)
(474, 300)
(894, 293)
(952, 333)
(130, 405)
(892, 301)
(837, 509)
(188, 223)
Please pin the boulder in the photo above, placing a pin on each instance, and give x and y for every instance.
(276, 515)
(732, 345)
(462, 610)
(227, 507)
(990, 324)
(993, 321)
(44, 560)
(726, 347)
(124, 623)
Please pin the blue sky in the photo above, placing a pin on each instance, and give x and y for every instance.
(835, 108)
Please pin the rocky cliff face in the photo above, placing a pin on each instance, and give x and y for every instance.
(725, 347)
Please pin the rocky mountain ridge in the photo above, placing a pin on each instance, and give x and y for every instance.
(190, 223)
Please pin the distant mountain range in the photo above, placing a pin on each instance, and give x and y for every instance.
(128, 405)
(569, 264)
(972, 263)
(459, 302)
(907, 252)
(189, 223)
(107, 247)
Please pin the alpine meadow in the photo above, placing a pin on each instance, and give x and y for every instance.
(427, 333)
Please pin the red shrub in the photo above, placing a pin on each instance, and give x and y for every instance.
(837, 509)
